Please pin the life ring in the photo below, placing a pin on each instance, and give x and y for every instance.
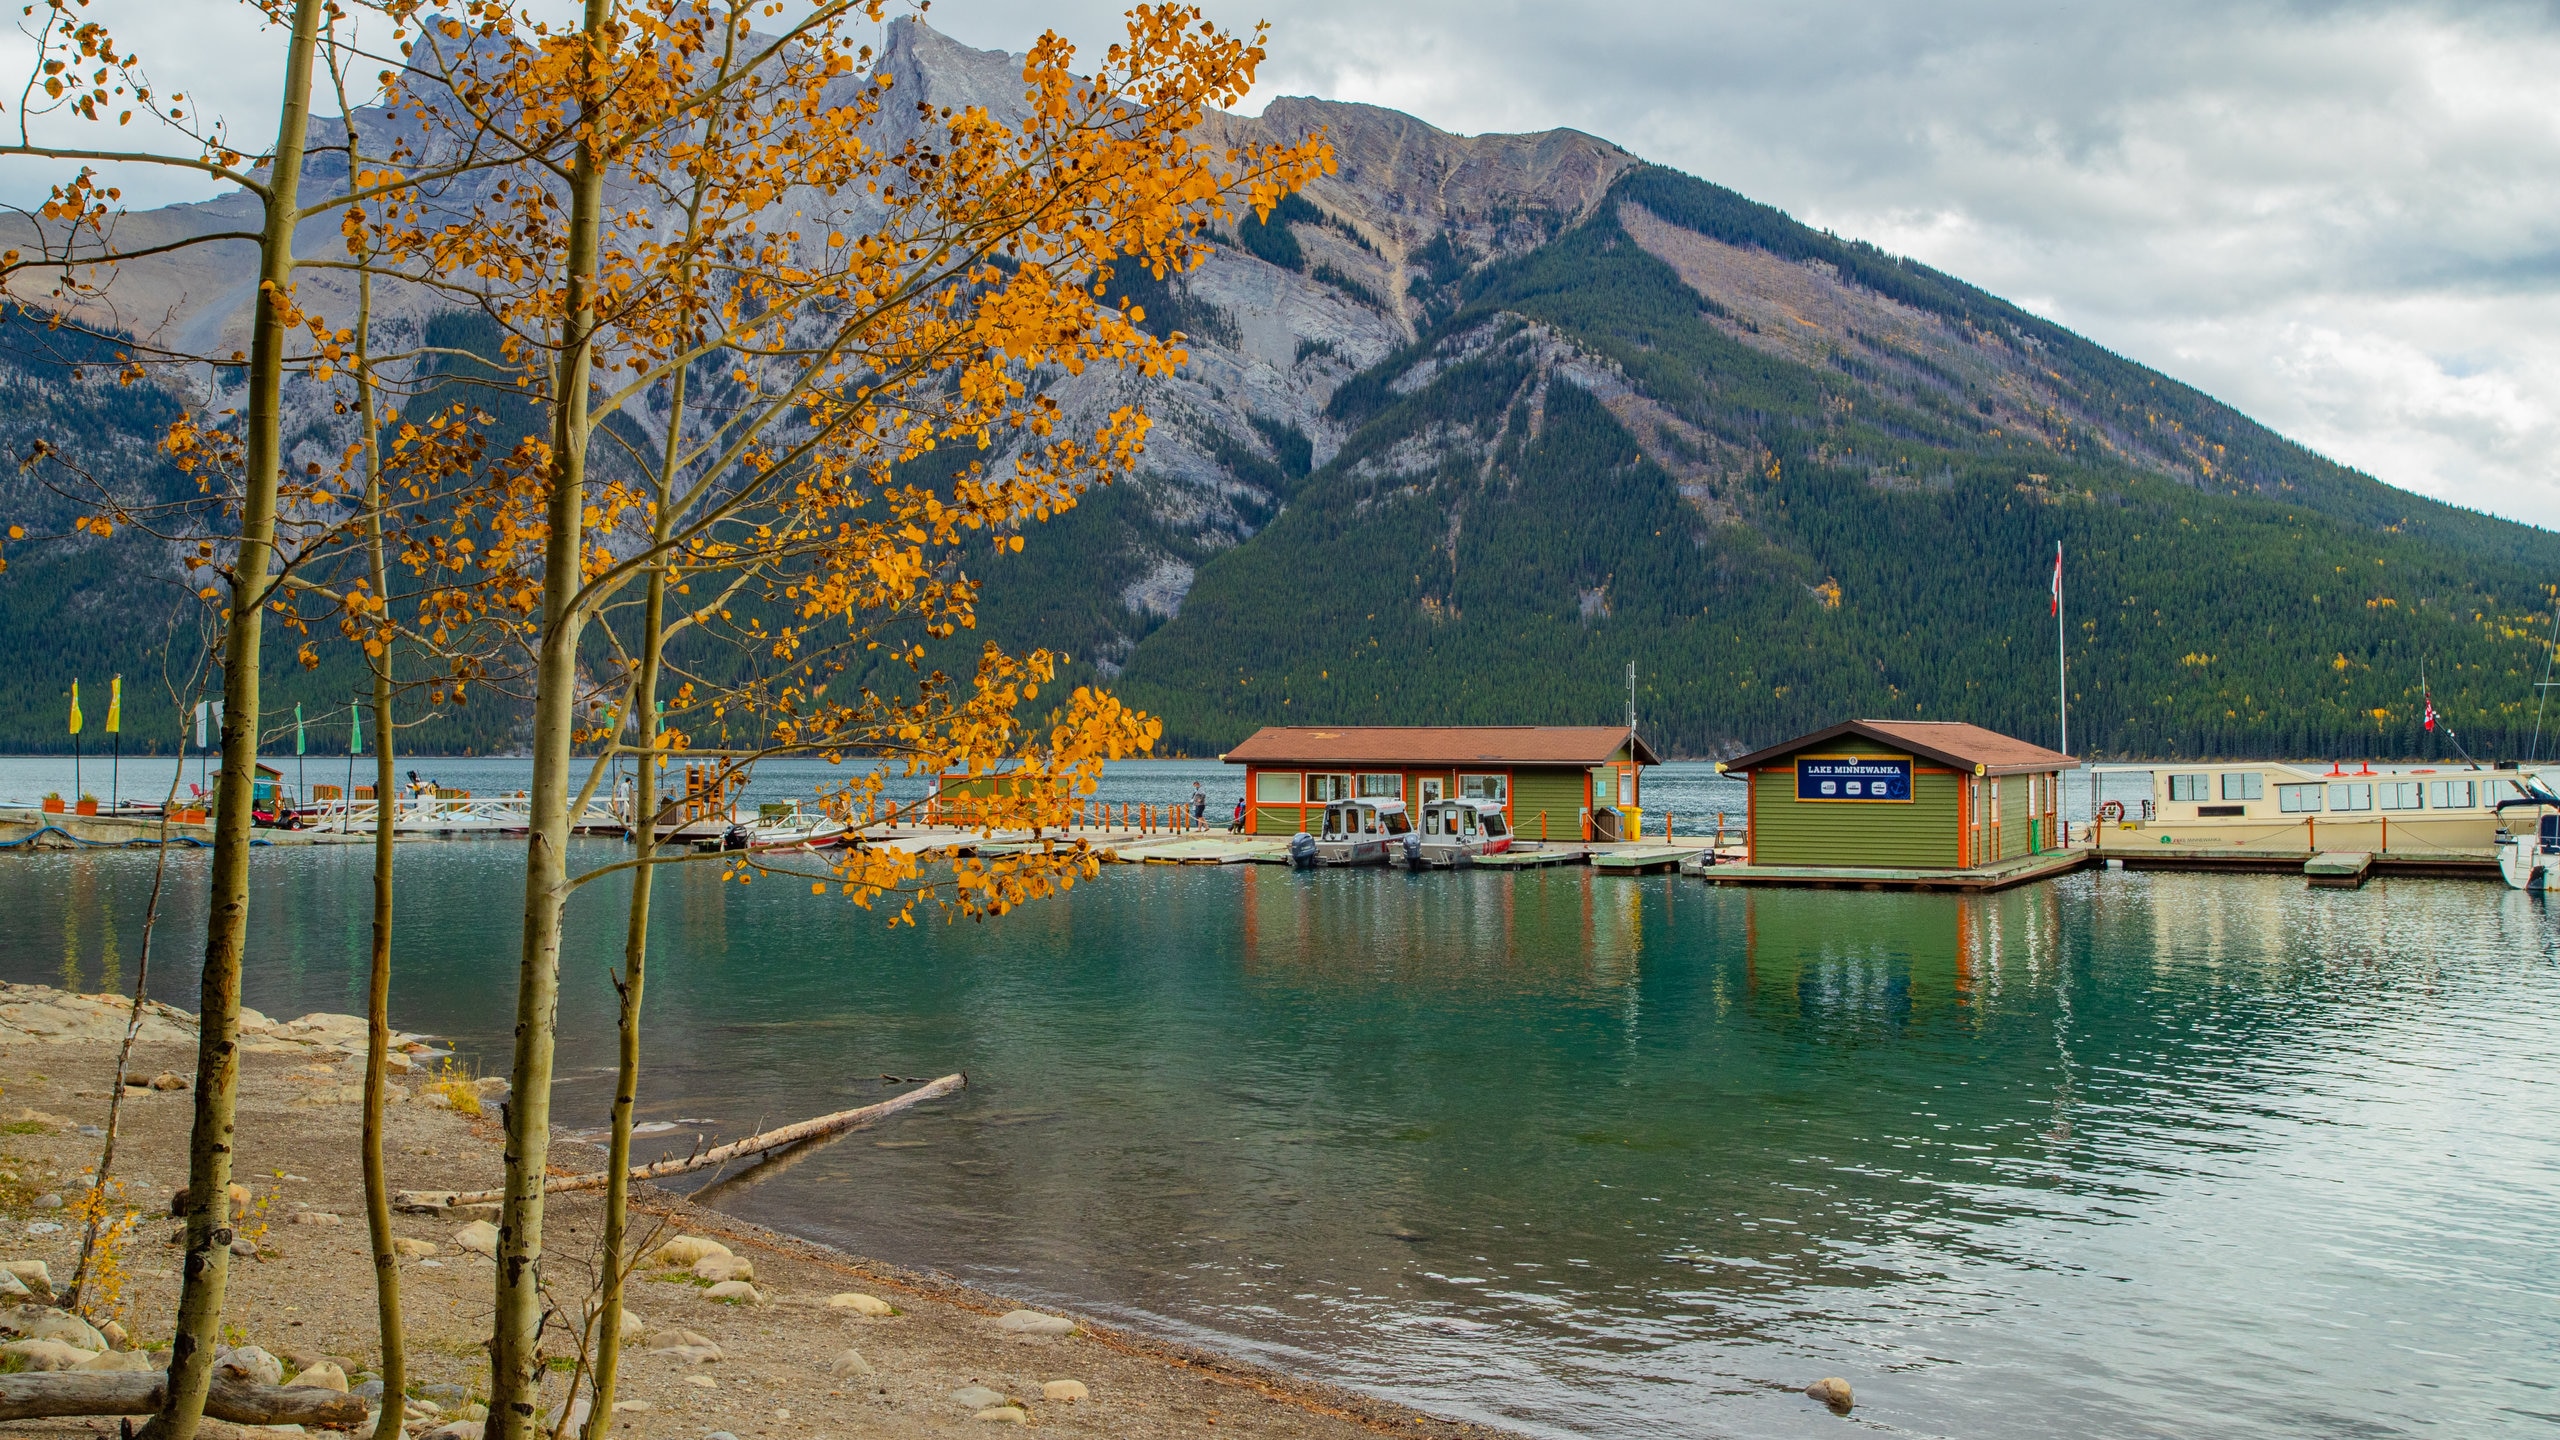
(2112, 812)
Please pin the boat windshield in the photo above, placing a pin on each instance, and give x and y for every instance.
(1493, 824)
(1398, 823)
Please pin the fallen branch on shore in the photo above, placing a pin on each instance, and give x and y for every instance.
(428, 1202)
(54, 1394)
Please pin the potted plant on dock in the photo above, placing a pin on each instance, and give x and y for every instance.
(88, 804)
(53, 802)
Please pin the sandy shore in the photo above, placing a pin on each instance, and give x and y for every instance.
(782, 1367)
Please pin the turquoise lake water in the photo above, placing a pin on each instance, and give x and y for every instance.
(2124, 1155)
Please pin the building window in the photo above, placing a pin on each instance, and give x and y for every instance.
(1485, 787)
(1381, 787)
(1273, 787)
(2400, 794)
(2188, 788)
(1626, 787)
(1323, 788)
(2297, 799)
(2351, 797)
(2243, 785)
(2448, 794)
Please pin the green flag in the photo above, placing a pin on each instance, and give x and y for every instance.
(297, 728)
(355, 728)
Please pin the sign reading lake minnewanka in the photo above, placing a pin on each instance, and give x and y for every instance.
(1852, 777)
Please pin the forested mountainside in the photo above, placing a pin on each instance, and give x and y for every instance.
(1475, 421)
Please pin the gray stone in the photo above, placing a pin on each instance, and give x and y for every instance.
(1032, 1322)
(48, 1202)
(46, 1354)
(455, 1430)
(977, 1397)
(848, 1364)
(251, 1363)
(479, 1237)
(33, 1275)
(324, 1375)
(43, 1322)
(685, 1250)
(369, 1391)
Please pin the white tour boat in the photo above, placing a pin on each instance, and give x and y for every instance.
(2310, 807)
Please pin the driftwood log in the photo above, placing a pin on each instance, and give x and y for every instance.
(52, 1394)
(428, 1202)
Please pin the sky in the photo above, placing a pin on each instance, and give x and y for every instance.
(2343, 219)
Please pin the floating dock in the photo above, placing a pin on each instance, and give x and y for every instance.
(2345, 870)
(2427, 864)
(1640, 860)
(2020, 870)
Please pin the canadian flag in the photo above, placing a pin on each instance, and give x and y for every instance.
(2057, 577)
(2431, 711)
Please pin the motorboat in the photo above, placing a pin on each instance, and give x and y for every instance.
(1360, 832)
(1453, 833)
(783, 825)
(2527, 858)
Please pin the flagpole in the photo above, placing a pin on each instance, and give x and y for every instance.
(2061, 657)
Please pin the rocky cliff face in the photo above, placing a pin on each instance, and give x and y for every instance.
(1474, 420)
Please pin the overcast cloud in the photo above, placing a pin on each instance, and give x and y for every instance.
(2341, 218)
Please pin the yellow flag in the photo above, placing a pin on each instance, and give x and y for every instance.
(75, 707)
(115, 705)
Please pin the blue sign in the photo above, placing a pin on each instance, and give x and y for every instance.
(1853, 777)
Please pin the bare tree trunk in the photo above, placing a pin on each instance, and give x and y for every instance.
(377, 1058)
(514, 1346)
(635, 949)
(208, 1216)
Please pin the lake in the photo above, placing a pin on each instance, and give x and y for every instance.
(2122, 1155)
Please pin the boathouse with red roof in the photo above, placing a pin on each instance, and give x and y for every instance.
(1555, 782)
(1901, 795)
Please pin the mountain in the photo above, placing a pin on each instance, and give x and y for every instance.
(1476, 421)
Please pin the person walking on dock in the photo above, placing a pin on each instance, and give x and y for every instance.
(1199, 807)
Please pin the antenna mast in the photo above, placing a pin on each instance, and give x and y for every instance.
(1631, 695)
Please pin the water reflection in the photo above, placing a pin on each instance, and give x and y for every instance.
(2143, 1154)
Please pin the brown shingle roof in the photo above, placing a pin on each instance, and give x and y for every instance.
(1950, 742)
(1433, 745)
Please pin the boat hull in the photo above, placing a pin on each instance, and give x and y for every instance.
(1364, 851)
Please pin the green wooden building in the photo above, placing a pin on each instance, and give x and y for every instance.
(1555, 782)
(1901, 795)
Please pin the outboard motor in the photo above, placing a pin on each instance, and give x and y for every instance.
(735, 838)
(1302, 851)
(1412, 851)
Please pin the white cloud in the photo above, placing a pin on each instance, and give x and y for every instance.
(2338, 217)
